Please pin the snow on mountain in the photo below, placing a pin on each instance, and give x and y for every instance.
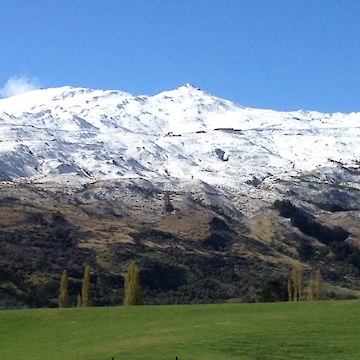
(176, 136)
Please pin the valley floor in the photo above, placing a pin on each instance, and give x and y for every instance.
(306, 330)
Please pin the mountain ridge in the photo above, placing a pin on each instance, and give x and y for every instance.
(180, 134)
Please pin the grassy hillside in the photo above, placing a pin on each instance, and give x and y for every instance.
(307, 330)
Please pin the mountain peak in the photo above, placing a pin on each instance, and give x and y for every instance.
(188, 86)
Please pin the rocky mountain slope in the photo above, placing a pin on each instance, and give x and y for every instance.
(183, 134)
(214, 200)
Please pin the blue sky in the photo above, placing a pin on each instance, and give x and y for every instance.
(278, 54)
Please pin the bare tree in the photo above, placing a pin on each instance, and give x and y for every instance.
(296, 283)
(315, 290)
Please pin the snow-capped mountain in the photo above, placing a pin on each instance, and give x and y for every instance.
(212, 199)
(181, 136)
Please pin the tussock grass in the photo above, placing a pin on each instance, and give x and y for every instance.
(189, 224)
(308, 330)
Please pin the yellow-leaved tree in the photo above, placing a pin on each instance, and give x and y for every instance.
(133, 292)
(64, 299)
(86, 297)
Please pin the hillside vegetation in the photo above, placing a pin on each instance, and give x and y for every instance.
(199, 252)
(307, 330)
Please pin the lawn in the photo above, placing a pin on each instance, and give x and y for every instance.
(307, 330)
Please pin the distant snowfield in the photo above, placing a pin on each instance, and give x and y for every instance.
(176, 136)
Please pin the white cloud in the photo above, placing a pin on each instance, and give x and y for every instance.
(18, 84)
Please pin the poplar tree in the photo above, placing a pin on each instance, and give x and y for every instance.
(64, 299)
(296, 283)
(319, 292)
(310, 291)
(315, 289)
(133, 291)
(86, 298)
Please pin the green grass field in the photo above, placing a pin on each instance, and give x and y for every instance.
(307, 330)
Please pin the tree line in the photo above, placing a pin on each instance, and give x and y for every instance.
(133, 291)
(315, 289)
(133, 294)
